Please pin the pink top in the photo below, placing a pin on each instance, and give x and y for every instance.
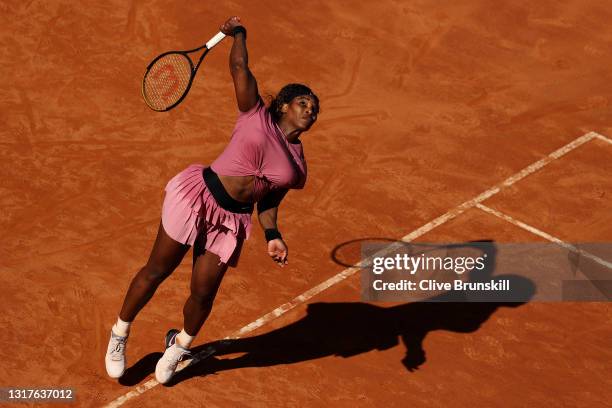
(259, 148)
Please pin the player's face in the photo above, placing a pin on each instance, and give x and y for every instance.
(302, 112)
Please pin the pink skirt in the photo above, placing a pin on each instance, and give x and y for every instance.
(190, 211)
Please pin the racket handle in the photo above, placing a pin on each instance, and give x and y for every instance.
(215, 40)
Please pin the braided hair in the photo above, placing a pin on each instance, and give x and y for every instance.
(286, 95)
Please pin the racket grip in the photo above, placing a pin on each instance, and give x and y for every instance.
(215, 40)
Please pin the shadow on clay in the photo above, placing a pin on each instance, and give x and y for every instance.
(347, 329)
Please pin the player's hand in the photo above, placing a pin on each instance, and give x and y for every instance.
(278, 251)
(227, 28)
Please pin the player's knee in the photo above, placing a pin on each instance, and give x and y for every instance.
(154, 274)
(203, 298)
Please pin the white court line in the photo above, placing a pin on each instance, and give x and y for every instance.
(532, 168)
(603, 138)
(284, 308)
(544, 235)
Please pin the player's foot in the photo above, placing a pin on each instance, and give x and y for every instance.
(115, 355)
(166, 366)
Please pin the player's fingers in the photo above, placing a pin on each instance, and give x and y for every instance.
(225, 27)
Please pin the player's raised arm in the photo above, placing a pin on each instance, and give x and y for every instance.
(244, 82)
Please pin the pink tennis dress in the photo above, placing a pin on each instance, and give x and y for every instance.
(257, 148)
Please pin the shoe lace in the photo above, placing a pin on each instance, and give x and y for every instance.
(174, 358)
(118, 349)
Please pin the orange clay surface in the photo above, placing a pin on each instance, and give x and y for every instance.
(424, 106)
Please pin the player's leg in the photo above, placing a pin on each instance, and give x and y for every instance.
(205, 281)
(165, 256)
(206, 278)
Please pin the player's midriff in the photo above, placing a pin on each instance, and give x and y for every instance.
(240, 188)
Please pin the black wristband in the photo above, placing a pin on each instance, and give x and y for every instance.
(272, 233)
(239, 29)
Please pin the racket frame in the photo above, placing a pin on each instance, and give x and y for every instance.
(207, 47)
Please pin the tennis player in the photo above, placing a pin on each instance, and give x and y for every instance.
(210, 207)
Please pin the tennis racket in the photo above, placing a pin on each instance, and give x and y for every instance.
(169, 76)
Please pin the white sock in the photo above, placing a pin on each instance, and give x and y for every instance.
(122, 328)
(184, 340)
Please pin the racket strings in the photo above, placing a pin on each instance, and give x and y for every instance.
(167, 80)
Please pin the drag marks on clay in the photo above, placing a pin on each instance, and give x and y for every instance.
(485, 94)
(594, 51)
(23, 143)
(26, 105)
(111, 235)
(352, 75)
(118, 146)
(378, 115)
(53, 303)
(487, 350)
(323, 198)
(550, 109)
(333, 118)
(550, 22)
(66, 335)
(421, 47)
(131, 17)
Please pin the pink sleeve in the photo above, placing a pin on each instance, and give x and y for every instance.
(257, 108)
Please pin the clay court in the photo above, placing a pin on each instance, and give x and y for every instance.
(440, 121)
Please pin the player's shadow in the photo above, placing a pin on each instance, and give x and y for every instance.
(351, 328)
(138, 372)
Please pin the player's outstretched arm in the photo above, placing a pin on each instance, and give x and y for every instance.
(245, 84)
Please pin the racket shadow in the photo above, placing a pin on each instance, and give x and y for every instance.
(358, 252)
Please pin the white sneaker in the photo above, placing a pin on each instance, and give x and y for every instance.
(115, 356)
(166, 366)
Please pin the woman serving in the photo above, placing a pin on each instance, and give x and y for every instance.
(210, 207)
